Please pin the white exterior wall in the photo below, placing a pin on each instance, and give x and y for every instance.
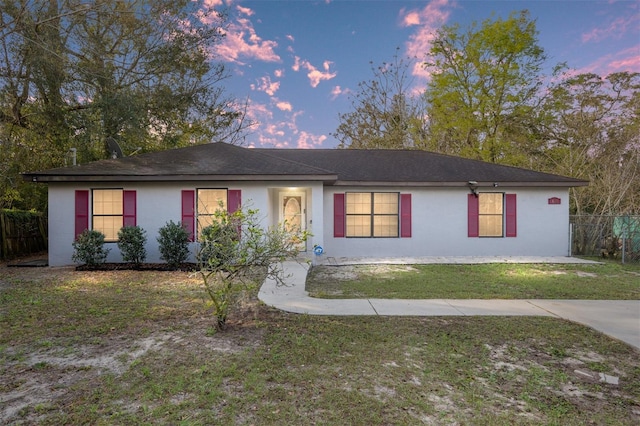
(439, 220)
(439, 226)
(158, 203)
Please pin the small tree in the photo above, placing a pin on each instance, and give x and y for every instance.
(131, 241)
(174, 243)
(237, 254)
(89, 249)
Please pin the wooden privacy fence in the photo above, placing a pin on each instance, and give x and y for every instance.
(22, 233)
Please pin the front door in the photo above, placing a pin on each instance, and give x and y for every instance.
(293, 212)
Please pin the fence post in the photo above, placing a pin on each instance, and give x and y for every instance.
(4, 243)
(570, 239)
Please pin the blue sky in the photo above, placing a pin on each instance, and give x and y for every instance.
(296, 62)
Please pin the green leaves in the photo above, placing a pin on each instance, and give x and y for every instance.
(237, 253)
(75, 74)
(483, 83)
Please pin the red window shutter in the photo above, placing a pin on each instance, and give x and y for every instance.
(128, 208)
(82, 211)
(405, 215)
(338, 215)
(511, 217)
(188, 212)
(473, 216)
(234, 199)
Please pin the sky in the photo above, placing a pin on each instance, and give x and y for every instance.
(296, 63)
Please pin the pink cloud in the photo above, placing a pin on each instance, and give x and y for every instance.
(339, 91)
(241, 41)
(245, 10)
(615, 29)
(624, 60)
(259, 113)
(284, 106)
(290, 38)
(308, 140)
(273, 130)
(266, 85)
(314, 74)
(213, 3)
(278, 73)
(410, 19)
(426, 21)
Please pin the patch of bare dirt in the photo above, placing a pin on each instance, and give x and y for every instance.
(42, 374)
(42, 377)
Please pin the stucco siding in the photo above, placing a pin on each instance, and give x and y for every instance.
(439, 226)
(439, 220)
(156, 204)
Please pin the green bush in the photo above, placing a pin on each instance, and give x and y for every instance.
(217, 244)
(174, 243)
(89, 249)
(131, 241)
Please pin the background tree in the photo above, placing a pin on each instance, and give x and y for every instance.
(385, 112)
(76, 73)
(591, 130)
(483, 87)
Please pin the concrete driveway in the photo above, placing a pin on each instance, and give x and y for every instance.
(619, 319)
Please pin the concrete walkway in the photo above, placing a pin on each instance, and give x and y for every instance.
(617, 318)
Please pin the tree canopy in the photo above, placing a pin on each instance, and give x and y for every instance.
(74, 74)
(487, 98)
(385, 114)
(484, 82)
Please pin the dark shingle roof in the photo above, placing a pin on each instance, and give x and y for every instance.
(220, 161)
(413, 166)
(215, 161)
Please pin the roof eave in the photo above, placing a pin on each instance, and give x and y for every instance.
(34, 177)
(556, 184)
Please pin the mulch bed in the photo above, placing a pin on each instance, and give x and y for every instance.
(186, 267)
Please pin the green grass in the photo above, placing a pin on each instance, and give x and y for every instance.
(274, 368)
(607, 281)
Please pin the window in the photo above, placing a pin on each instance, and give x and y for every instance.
(210, 201)
(490, 210)
(108, 212)
(111, 209)
(372, 214)
(492, 214)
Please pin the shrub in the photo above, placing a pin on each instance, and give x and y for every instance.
(131, 241)
(240, 254)
(89, 249)
(217, 244)
(174, 243)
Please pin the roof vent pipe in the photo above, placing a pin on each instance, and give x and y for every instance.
(73, 156)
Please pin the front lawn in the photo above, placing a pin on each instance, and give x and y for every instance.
(606, 281)
(139, 347)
